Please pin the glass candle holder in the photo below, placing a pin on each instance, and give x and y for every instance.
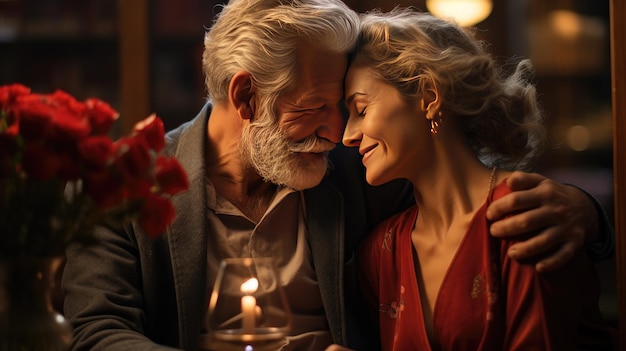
(248, 306)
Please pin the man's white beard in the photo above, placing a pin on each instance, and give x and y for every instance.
(280, 161)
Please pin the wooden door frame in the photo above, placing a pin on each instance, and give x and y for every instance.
(134, 39)
(618, 90)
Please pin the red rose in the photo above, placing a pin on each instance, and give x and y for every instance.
(156, 214)
(170, 176)
(133, 161)
(153, 131)
(8, 93)
(101, 116)
(34, 116)
(70, 121)
(105, 188)
(96, 151)
(133, 156)
(8, 118)
(68, 126)
(66, 102)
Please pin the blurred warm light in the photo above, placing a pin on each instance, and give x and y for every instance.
(465, 12)
(566, 23)
(568, 43)
(578, 138)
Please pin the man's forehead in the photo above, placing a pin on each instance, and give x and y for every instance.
(309, 96)
(317, 63)
(319, 75)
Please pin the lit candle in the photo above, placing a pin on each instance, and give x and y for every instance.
(248, 305)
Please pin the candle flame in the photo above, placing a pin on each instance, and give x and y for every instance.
(250, 286)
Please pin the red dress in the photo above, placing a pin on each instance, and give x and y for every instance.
(486, 300)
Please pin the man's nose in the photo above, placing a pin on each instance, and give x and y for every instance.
(332, 125)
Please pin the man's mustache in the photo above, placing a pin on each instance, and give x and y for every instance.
(312, 144)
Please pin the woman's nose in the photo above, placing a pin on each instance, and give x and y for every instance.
(352, 134)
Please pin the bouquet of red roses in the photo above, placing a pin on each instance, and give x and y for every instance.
(61, 174)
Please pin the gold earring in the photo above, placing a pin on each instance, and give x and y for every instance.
(434, 126)
(435, 123)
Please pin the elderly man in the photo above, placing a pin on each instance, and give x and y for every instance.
(257, 157)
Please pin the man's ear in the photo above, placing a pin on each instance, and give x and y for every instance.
(241, 94)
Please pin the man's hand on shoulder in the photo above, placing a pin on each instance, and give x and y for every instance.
(551, 220)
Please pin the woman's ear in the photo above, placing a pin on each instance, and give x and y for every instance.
(431, 101)
(241, 94)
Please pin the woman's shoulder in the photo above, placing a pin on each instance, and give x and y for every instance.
(499, 190)
(394, 225)
(401, 219)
